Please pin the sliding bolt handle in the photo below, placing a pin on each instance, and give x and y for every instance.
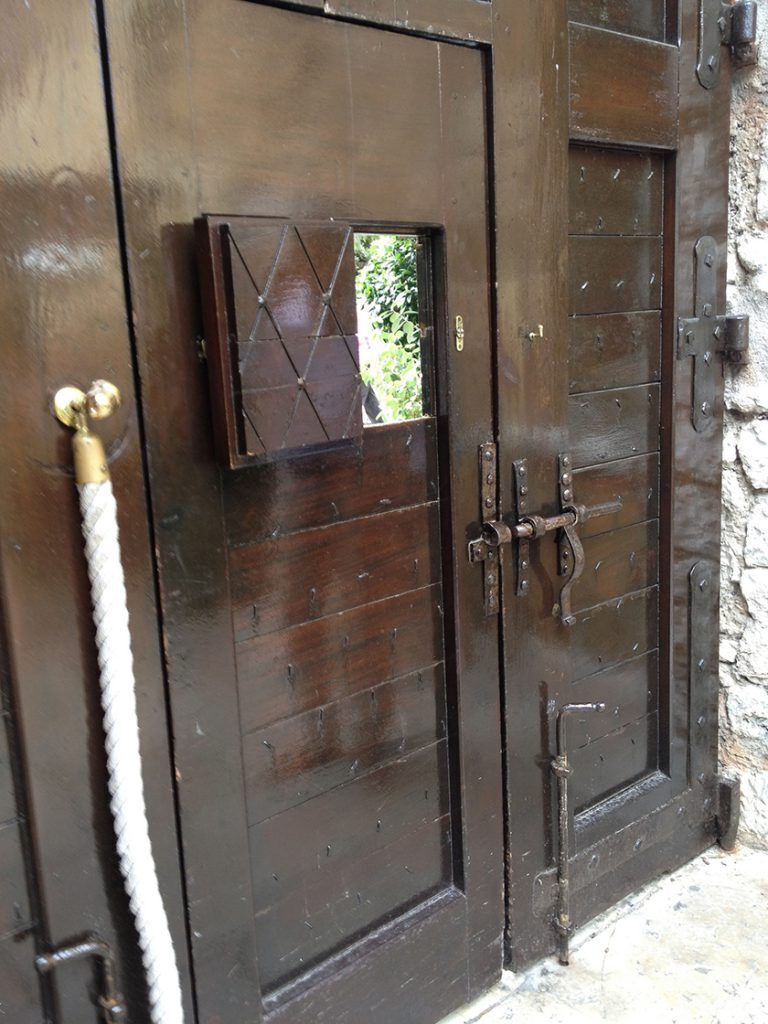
(571, 560)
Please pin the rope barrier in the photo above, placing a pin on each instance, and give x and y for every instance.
(118, 700)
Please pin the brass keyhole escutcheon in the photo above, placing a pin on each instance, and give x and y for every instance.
(459, 333)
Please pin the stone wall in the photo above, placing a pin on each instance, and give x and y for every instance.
(744, 616)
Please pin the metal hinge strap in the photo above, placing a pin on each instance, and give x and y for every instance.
(480, 550)
(705, 334)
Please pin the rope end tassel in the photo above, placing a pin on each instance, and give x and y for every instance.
(98, 508)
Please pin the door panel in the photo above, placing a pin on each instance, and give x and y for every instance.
(643, 773)
(334, 683)
(64, 322)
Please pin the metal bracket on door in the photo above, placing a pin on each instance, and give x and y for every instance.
(499, 530)
(485, 549)
(723, 24)
(705, 335)
(111, 1003)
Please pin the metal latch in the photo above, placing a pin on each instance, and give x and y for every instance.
(704, 335)
(498, 530)
(722, 24)
(111, 1002)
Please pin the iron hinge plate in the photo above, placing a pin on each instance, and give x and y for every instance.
(478, 551)
(703, 335)
(520, 483)
(723, 24)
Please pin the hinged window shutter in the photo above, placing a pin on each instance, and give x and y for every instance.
(281, 335)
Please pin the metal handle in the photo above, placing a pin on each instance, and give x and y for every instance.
(570, 549)
(110, 1001)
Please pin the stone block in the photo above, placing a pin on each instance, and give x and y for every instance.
(753, 452)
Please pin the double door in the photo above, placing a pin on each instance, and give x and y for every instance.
(348, 717)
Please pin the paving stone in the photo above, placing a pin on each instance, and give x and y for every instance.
(689, 949)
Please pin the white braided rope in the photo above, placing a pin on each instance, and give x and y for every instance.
(121, 725)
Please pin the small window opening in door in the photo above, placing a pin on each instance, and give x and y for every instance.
(394, 332)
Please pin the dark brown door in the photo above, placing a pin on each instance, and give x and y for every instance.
(334, 683)
(645, 181)
(64, 322)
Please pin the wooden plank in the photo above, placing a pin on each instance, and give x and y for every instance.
(62, 282)
(530, 125)
(617, 563)
(634, 481)
(469, 20)
(617, 424)
(610, 633)
(307, 575)
(629, 691)
(7, 796)
(20, 992)
(615, 275)
(298, 758)
(614, 350)
(614, 193)
(317, 920)
(290, 671)
(15, 912)
(347, 823)
(613, 761)
(396, 467)
(646, 18)
(623, 89)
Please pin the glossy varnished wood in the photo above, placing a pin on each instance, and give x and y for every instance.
(634, 482)
(314, 573)
(614, 424)
(299, 758)
(615, 350)
(614, 761)
(65, 322)
(614, 193)
(310, 560)
(531, 74)
(615, 274)
(610, 633)
(281, 674)
(349, 822)
(469, 20)
(314, 920)
(617, 563)
(397, 466)
(623, 89)
(646, 19)
(629, 691)
(626, 837)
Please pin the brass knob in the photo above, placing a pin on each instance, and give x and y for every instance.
(72, 406)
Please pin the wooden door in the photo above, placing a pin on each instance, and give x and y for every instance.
(614, 387)
(334, 684)
(64, 322)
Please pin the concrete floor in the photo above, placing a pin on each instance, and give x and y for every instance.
(692, 947)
